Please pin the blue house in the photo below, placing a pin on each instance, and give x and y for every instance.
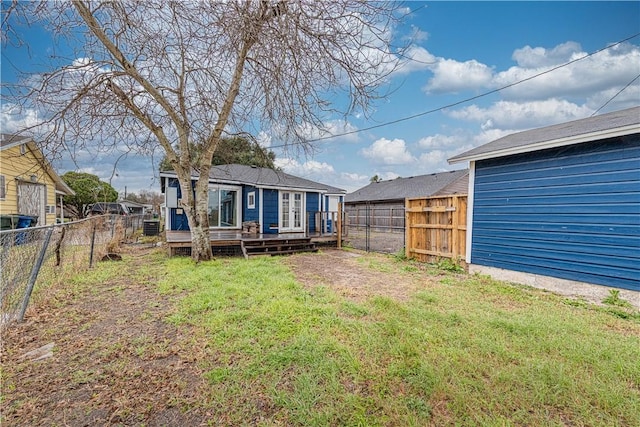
(560, 202)
(273, 202)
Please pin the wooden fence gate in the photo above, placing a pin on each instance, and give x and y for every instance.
(436, 227)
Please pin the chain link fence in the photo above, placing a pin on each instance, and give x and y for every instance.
(34, 258)
(375, 227)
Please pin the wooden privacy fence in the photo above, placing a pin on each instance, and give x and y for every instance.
(436, 227)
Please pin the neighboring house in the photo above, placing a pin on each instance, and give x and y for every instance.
(28, 183)
(276, 201)
(375, 214)
(136, 208)
(559, 202)
(395, 191)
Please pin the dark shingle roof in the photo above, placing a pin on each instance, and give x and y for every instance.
(560, 134)
(401, 188)
(264, 177)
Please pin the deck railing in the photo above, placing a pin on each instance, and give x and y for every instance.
(324, 223)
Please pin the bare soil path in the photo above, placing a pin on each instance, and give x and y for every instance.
(115, 359)
(356, 275)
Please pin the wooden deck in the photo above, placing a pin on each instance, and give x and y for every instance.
(234, 242)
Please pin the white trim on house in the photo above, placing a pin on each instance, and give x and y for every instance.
(469, 235)
(238, 207)
(261, 210)
(560, 142)
(296, 189)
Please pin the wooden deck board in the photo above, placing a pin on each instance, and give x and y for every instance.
(182, 239)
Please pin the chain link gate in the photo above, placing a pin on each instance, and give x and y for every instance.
(374, 227)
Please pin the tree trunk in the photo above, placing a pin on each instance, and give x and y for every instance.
(200, 241)
(195, 206)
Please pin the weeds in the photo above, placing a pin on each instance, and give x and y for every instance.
(473, 352)
(449, 264)
(614, 299)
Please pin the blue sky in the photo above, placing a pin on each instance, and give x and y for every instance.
(459, 50)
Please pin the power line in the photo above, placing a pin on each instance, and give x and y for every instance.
(614, 96)
(473, 98)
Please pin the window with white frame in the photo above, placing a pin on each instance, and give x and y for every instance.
(224, 206)
(251, 200)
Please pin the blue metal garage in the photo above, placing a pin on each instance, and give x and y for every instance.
(561, 201)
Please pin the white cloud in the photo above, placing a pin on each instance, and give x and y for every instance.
(434, 160)
(351, 181)
(324, 173)
(264, 139)
(386, 176)
(14, 119)
(452, 76)
(612, 68)
(619, 100)
(388, 152)
(438, 148)
(329, 128)
(417, 35)
(415, 58)
(440, 141)
(608, 70)
(311, 169)
(535, 57)
(526, 115)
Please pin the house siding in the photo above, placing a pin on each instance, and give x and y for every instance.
(178, 221)
(250, 214)
(16, 164)
(313, 206)
(270, 211)
(571, 213)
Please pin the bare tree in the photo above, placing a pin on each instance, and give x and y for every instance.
(175, 73)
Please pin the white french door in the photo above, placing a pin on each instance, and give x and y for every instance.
(291, 211)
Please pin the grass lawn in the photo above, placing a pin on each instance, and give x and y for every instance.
(460, 350)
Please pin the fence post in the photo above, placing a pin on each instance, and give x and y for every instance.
(455, 250)
(339, 229)
(34, 274)
(408, 223)
(59, 246)
(93, 240)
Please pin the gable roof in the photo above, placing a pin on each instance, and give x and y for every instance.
(262, 177)
(8, 141)
(401, 188)
(610, 125)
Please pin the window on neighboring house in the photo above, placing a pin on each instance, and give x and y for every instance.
(3, 189)
(251, 200)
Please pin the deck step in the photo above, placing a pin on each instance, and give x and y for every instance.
(277, 246)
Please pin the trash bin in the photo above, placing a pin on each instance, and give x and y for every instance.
(24, 221)
(151, 227)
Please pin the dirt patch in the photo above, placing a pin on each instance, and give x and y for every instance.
(115, 359)
(356, 275)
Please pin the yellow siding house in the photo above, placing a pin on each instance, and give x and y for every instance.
(28, 183)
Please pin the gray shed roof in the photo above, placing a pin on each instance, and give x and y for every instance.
(617, 123)
(401, 188)
(263, 177)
